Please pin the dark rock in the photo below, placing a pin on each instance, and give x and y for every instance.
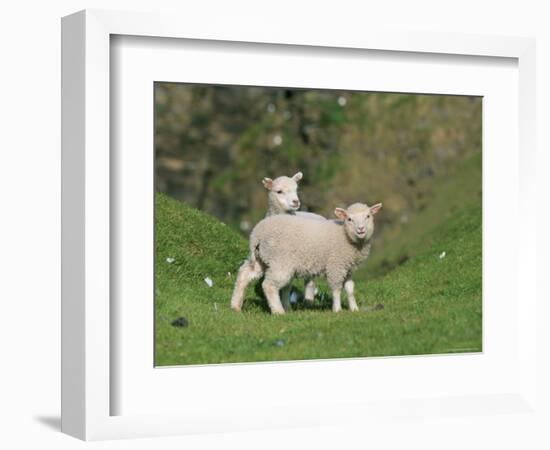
(402, 259)
(180, 322)
(379, 307)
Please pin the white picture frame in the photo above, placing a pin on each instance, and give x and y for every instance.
(87, 328)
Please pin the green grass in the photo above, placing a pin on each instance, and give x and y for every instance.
(424, 305)
(443, 198)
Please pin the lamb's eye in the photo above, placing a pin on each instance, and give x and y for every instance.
(349, 220)
(279, 192)
(368, 216)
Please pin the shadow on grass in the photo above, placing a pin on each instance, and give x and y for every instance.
(256, 304)
(322, 302)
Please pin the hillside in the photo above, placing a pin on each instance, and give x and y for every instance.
(428, 301)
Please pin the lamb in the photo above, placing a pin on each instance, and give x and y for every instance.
(283, 199)
(284, 246)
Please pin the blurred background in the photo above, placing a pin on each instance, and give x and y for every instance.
(214, 144)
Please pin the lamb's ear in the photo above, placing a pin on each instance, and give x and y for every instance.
(341, 213)
(268, 183)
(375, 208)
(297, 176)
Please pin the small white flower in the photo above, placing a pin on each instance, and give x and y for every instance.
(245, 225)
(442, 255)
(271, 108)
(277, 139)
(209, 281)
(229, 274)
(342, 101)
(170, 260)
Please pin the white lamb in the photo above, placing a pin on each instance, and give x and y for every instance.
(283, 199)
(285, 246)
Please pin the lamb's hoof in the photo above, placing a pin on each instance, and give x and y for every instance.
(337, 309)
(309, 301)
(354, 308)
(236, 308)
(277, 312)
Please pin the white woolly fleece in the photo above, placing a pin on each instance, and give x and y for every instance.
(289, 245)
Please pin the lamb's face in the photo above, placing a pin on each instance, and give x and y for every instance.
(358, 220)
(283, 192)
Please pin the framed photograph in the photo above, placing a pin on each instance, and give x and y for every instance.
(270, 229)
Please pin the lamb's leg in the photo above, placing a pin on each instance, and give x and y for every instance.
(285, 297)
(247, 273)
(349, 286)
(274, 281)
(336, 302)
(309, 294)
(335, 281)
(272, 294)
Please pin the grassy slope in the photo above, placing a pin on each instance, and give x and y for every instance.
(430, 305)
(446, 197)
